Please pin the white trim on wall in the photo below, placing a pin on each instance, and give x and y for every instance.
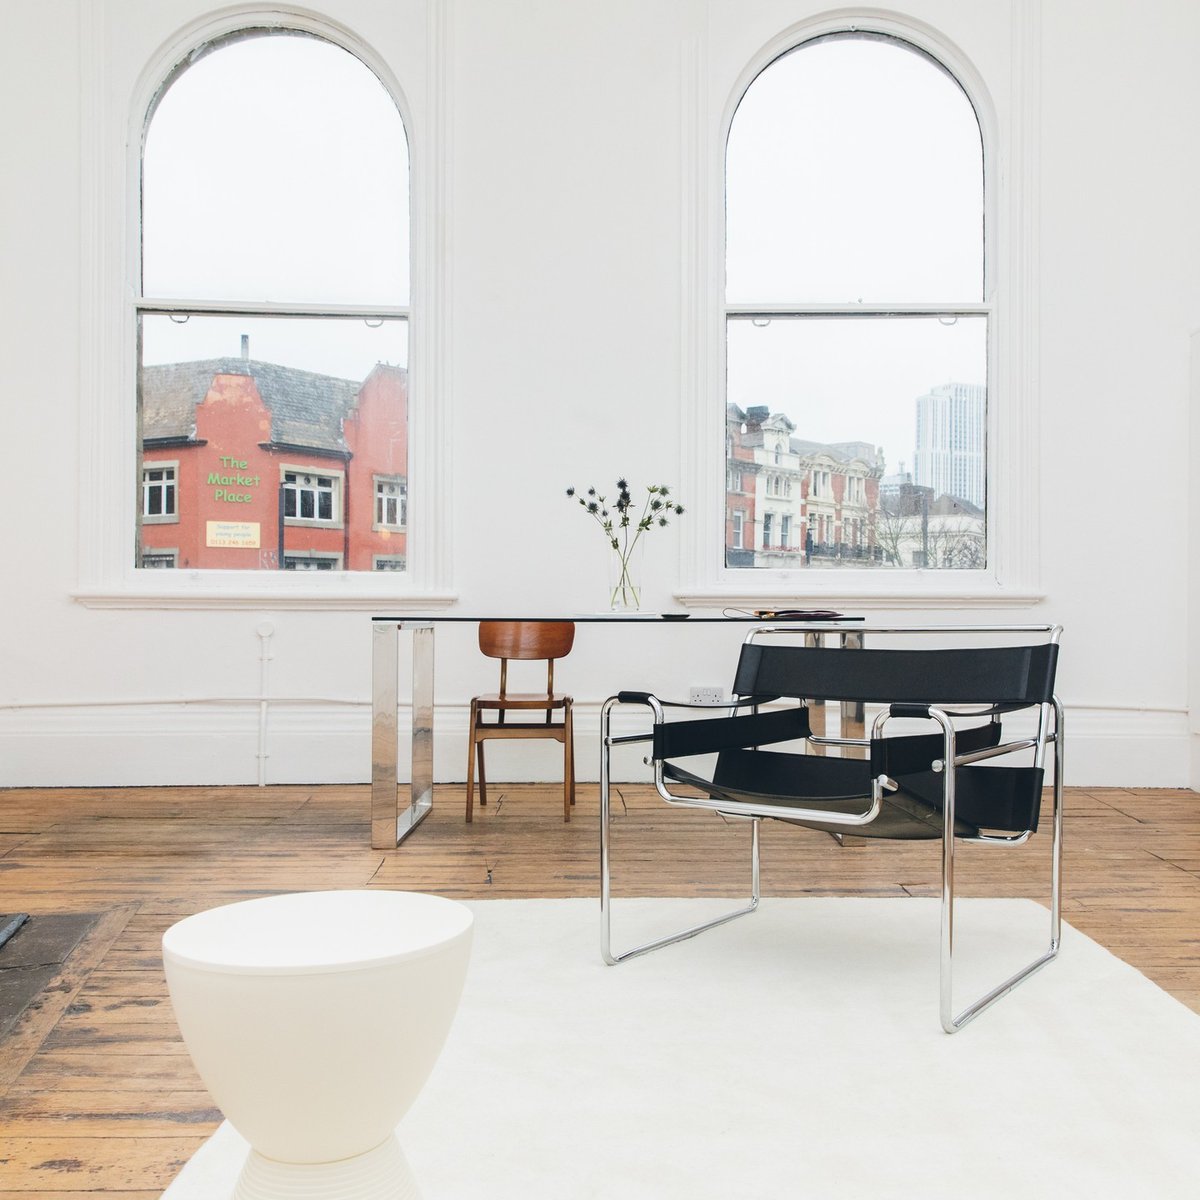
(111, 134)
(322, 740)
(1011, 151)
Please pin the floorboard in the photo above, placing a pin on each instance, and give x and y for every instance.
(100, 1097)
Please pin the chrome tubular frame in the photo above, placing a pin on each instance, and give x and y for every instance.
(950, 1022)
(607, 741)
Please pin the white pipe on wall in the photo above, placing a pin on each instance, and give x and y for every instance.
(265, 630)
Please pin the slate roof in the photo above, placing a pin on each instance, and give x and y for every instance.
(306, 409)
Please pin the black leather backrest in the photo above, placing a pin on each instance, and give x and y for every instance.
(971, 675)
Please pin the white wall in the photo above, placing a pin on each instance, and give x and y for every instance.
(567, 130)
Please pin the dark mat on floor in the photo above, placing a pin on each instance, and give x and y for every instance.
(33, 956)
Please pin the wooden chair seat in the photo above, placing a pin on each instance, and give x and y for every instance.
(531, 640)
(522, 700)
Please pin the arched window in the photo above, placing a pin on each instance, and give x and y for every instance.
(272, 319)
(856, 295)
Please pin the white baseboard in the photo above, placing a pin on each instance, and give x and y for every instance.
(314, 743)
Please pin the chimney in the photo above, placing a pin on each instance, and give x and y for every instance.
(245, 347)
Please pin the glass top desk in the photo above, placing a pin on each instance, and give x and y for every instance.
(391, 823)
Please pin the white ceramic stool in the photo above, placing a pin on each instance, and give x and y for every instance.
(314, 1020)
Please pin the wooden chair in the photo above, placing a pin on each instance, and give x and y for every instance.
(532, 640)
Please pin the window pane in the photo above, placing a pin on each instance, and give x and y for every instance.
(347, 349)
(854, 173)
(877, 425)
(276, 169)
(298, 416)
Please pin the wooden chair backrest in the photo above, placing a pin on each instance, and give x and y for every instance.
(526, 639)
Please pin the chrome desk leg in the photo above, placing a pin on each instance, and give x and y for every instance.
(421, 791)
(817, 709)
(389, 826)
(854, 712)
(853, 724)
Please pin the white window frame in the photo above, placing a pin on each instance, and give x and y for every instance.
(129, 50)
(716, 76)
(164, 518)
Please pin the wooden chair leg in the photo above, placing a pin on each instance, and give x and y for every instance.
(482, 776)
(471, 763)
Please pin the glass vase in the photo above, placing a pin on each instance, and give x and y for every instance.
(625, 579)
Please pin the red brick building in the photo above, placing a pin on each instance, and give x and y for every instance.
(254, 466)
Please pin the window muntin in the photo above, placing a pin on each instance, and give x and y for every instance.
(275, 290)
(854, 285)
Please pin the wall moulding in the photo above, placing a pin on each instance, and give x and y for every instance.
(317, 741)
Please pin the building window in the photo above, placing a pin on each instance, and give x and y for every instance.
(767, 529)
(388, 562)
(785, 531)
(739, 522)
(391, 503)
(854, 190)
(158, 493)
(273, 300)
(310, 497)
(310, 560)
(157, 560)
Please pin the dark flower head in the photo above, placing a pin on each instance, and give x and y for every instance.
(679, 510)
(655, 504)
(664, 489)
(623, 485)
(593, 507)
(570, 491)
(591, 491)
(662, 520)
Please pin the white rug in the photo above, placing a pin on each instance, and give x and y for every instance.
(795, 1053)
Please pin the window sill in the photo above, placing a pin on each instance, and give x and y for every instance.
(340, 591)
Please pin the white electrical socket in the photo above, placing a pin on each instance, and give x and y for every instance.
(706, 695)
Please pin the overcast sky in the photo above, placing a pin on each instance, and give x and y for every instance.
(276, 168)
(854, 174)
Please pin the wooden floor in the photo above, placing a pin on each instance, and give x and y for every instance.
(97, 1093)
